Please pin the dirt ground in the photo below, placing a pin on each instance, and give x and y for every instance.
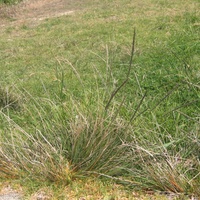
(34, 11)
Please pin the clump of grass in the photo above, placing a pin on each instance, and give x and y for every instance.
(169, 166)
(9, 98)
(62, 142)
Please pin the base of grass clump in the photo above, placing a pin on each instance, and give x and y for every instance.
(85, 188)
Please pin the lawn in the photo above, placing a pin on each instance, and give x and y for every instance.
(75, 106)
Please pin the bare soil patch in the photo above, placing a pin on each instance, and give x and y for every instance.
(33, 11)
(7, 193)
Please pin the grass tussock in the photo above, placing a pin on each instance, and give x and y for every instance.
(63, 142)
(9, 99)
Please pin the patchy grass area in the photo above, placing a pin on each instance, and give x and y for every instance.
(57, 78)
(90, 188)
